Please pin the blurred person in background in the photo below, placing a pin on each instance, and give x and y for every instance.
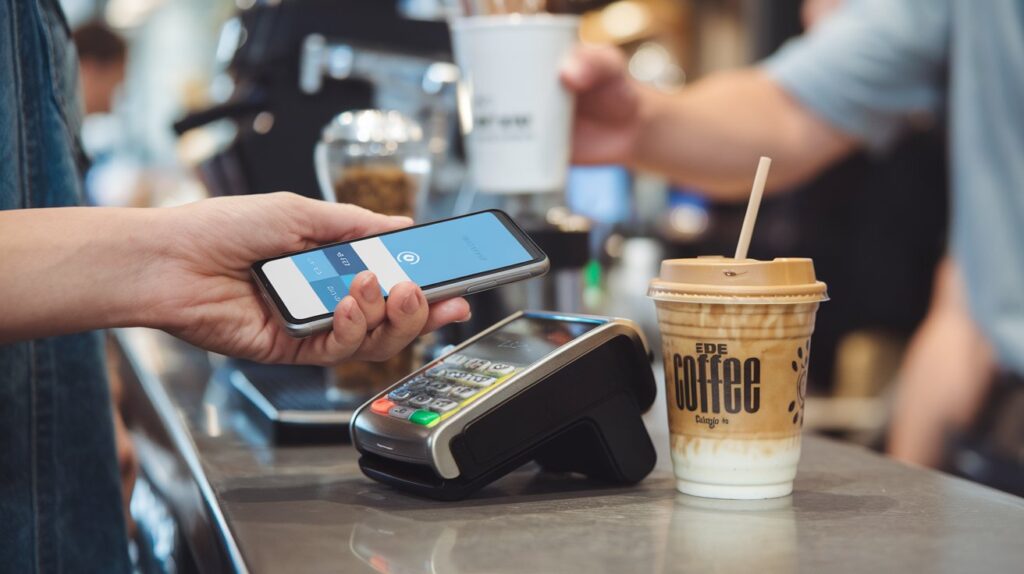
(858, 80)
(102, 60)
(948, 366)
(67, 271)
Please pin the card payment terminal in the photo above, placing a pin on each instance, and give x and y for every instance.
(565, 390)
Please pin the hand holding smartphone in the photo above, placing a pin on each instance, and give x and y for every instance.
(446, 258)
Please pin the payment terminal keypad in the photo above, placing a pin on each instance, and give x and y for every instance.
(443, 390)
(417, 383)
(462, 393)
(438, 388)
(442, 406)
(421, 401)
(400, 394)
(400, 412)
(476, 365)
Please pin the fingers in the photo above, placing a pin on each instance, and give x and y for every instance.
(345, 338)
(607, 94)
(591, 66)
(407, 312)
(324, 222)
(451, 311)
(366, 291)
(373, 329)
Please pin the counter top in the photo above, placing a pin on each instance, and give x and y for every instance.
(247, 505)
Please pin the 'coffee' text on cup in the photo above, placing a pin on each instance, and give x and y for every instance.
(710, 383)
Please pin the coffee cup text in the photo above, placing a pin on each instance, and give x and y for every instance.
(710, 381)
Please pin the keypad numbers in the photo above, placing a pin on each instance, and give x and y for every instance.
(443, 390)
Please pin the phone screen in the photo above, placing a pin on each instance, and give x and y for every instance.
(312, 283)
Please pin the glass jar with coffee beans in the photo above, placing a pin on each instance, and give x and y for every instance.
(375, 159)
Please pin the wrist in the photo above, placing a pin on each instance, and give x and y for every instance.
(144, 250)
(74, 269)
(652, 105)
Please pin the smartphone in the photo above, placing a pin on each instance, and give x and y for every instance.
(446, 258)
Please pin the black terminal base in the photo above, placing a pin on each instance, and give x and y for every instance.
(289, 404)
(584, 418)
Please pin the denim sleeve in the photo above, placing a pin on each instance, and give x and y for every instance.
(10, 106)
(60, 493)
(872, 68)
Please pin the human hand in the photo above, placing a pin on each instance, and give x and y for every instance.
(608, 105)
(202, 292)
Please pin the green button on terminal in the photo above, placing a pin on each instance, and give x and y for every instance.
(422, 417)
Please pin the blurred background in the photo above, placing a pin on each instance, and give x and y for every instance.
(194, 98)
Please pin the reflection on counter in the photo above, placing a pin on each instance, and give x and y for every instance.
(723, 535)
(734, 535)
(548, 535)
(393, 545)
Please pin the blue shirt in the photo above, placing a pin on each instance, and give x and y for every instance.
(878, 66)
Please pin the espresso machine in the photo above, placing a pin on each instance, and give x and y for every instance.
(290, 66)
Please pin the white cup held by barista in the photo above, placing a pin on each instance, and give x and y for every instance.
(516, 116)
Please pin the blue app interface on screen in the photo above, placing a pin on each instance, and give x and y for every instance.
(313, 283)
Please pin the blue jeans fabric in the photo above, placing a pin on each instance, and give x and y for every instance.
(60, 501)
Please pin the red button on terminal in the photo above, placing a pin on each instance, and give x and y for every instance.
(381, 406)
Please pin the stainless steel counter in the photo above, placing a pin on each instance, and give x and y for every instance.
(247, 505)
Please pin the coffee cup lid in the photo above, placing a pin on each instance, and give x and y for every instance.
(723, 279)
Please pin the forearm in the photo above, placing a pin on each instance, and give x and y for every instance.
(945, 377)
(943, 383)
(710, 135)
(64, 270)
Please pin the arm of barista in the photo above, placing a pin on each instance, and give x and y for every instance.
(946, 374)
(711, 135)
(857, 79)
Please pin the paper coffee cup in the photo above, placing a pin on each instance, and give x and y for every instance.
(516, 116)
(736, 338)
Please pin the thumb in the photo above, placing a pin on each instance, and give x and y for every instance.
(328, 222)
(592, 66)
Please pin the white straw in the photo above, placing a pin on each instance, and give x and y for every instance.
(755, 203)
